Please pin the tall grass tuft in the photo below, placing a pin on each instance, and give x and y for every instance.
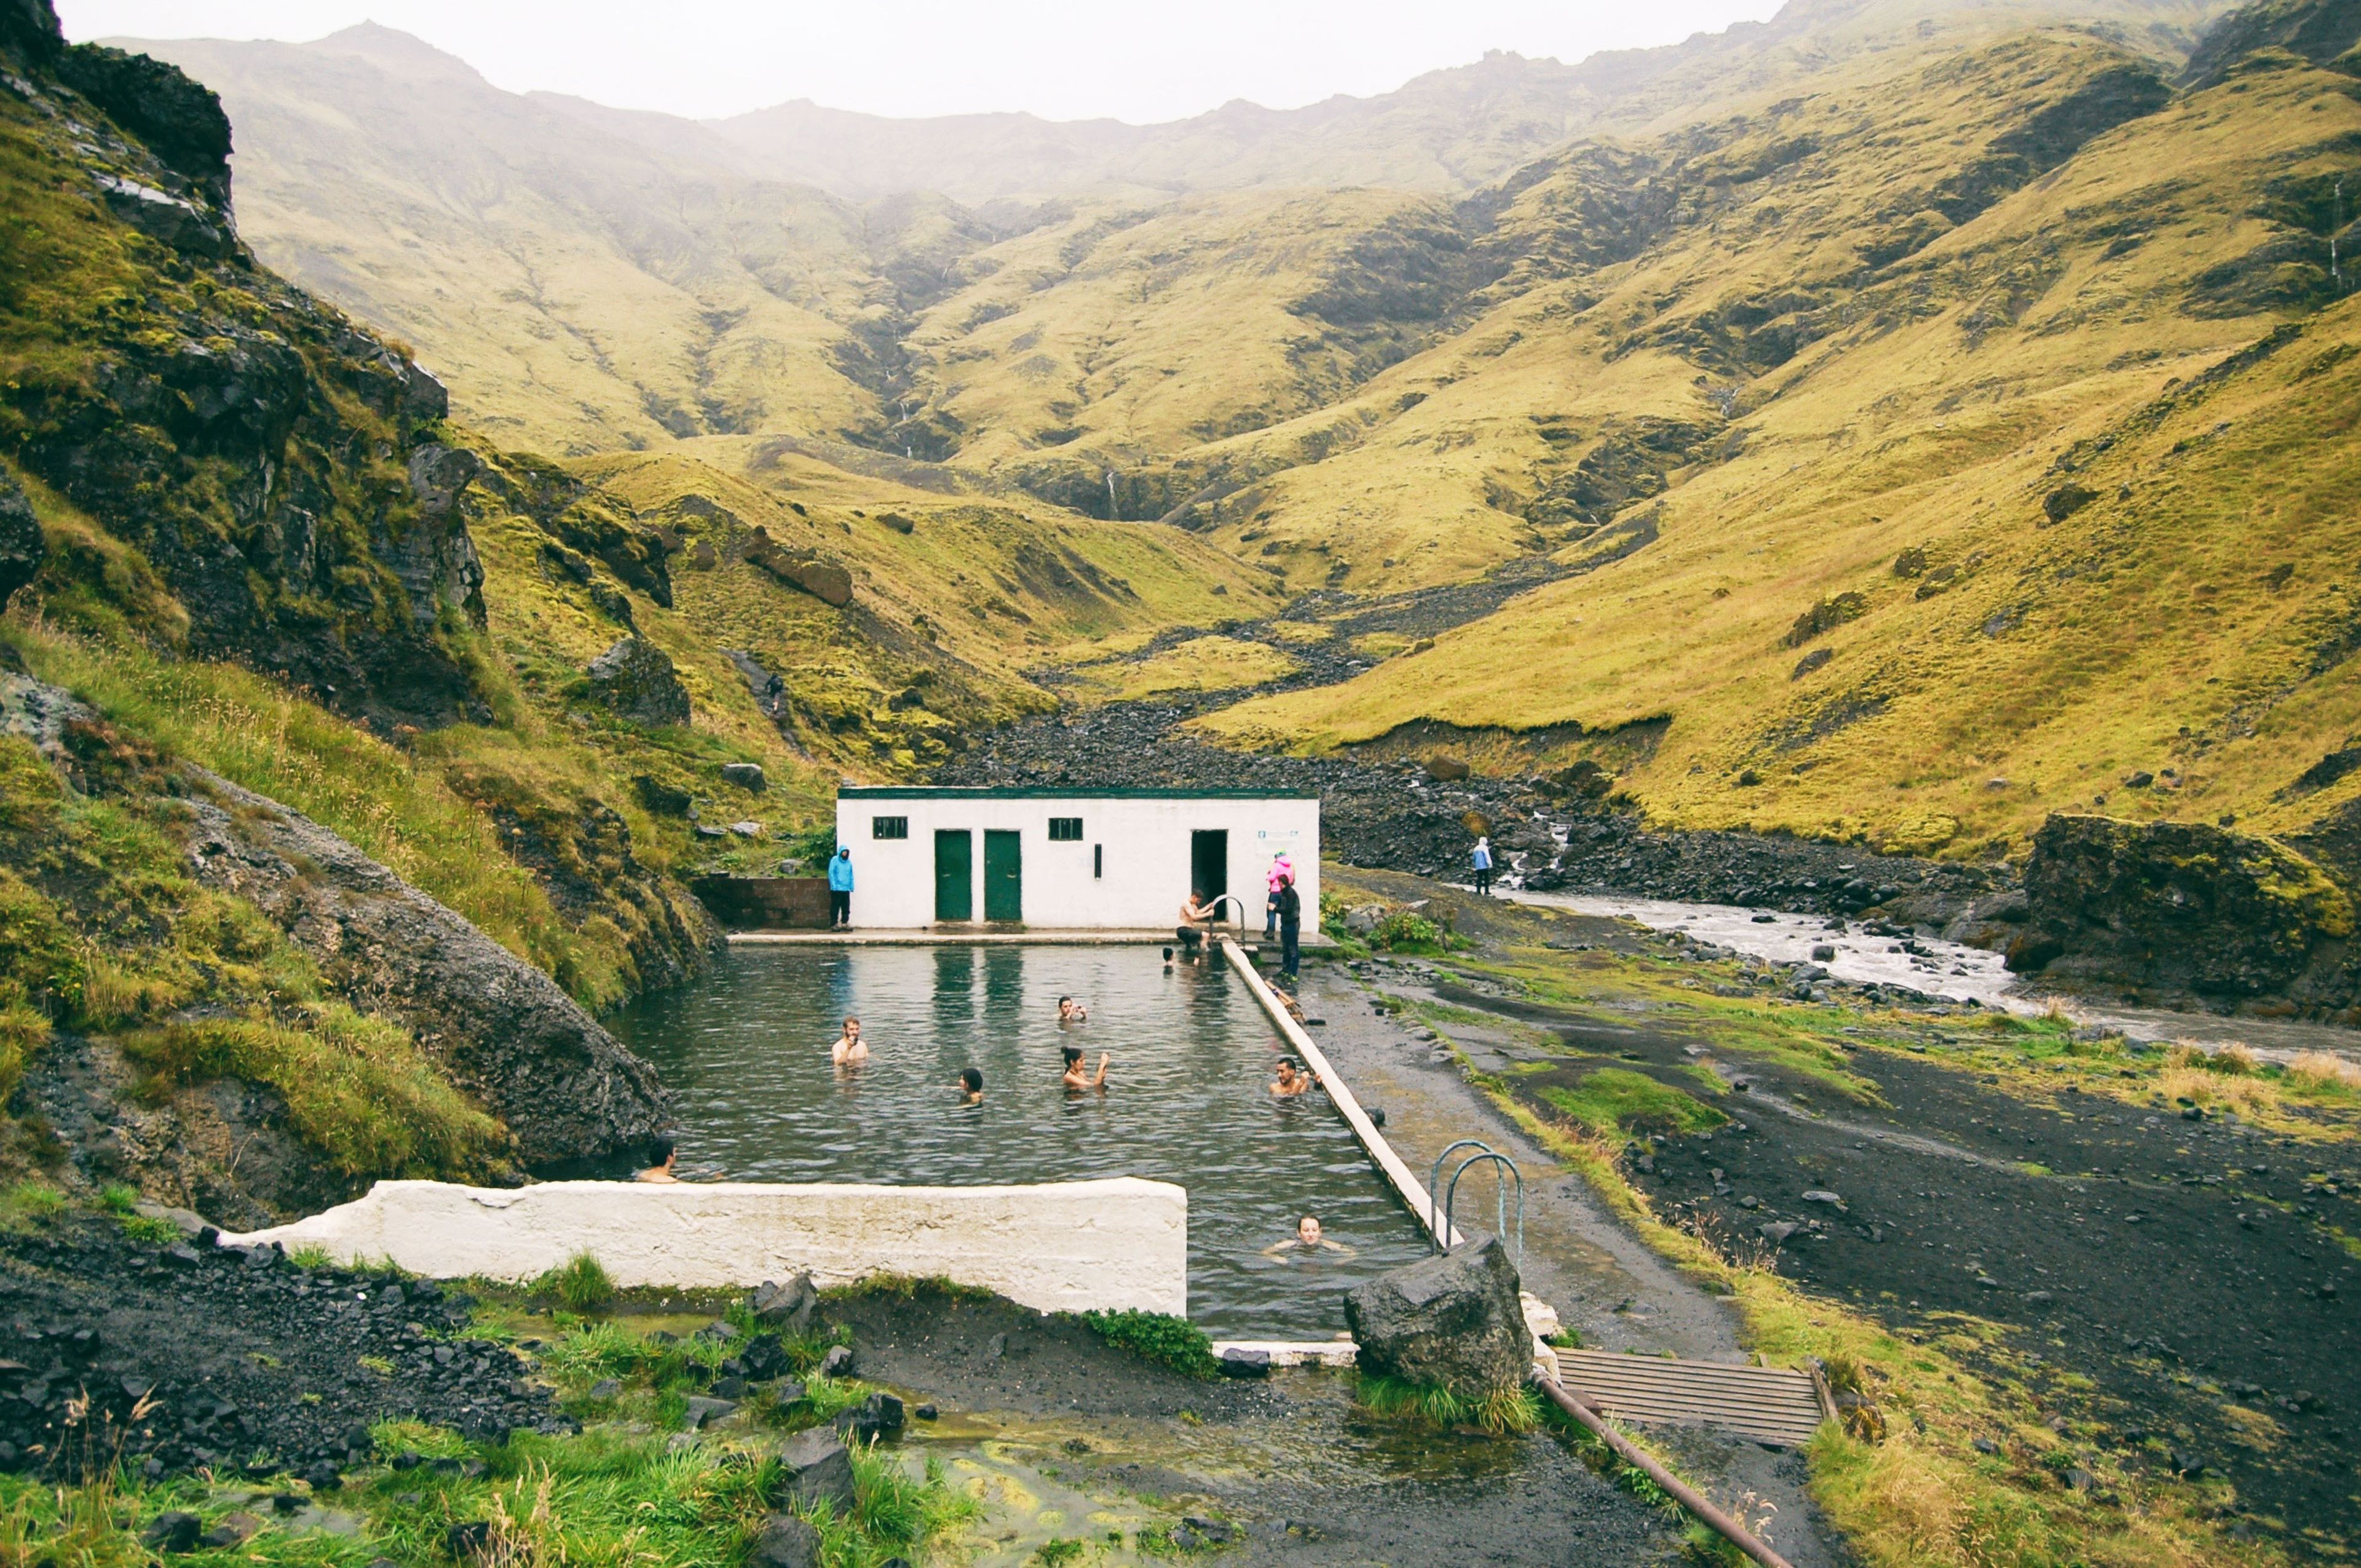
(1502, 1411)
(580, 1285)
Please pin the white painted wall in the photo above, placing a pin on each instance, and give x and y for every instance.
(1143, 873)
(1065, 1247)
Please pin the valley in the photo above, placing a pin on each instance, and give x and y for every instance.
(1894, 464)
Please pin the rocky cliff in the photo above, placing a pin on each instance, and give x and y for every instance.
(235, 551)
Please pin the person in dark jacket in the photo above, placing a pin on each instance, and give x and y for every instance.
(1291, 928)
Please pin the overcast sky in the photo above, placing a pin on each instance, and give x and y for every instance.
(1061, 59)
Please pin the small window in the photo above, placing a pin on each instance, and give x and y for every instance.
(889, 826)
(1098, 862)
(1065, 829)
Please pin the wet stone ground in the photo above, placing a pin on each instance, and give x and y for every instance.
(2176, 1293)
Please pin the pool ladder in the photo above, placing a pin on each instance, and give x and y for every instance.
(1504, 1171)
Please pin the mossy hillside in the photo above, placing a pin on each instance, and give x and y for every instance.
(954, 602)
(104, 935)
(596, 314)
(2056, 658)
(240, 435)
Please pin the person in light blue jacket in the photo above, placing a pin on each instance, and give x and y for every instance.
(1482, 861)
(839, 890)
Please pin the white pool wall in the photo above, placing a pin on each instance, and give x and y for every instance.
(1106, 1245)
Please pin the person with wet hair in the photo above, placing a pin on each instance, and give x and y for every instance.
(666, 1152)
(1195, 915)
(1167, 961)
(1073, 1012)
(1077, 1078)
(850, 1049)
(971, 1086)
(1292, 1080)
(1308, 1240)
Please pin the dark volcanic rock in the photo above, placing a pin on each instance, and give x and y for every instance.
(787, 1541)
(22, 547)
(2180, 906)
(503, 1030)
(182, 122)
(1454, 1320)
(635, 680)
(817, 1468)
(238, 1355)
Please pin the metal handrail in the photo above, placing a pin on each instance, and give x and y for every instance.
(1435, 1229)
(1500, 1197)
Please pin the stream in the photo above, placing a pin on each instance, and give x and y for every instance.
(1948, 970)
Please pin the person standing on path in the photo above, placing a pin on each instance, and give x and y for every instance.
(1482, 860)
(839, 890)
(1290, 930)
(1283, 871)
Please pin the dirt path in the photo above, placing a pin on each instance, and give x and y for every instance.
(1605, 1282)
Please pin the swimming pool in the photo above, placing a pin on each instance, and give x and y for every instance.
(744, 1051)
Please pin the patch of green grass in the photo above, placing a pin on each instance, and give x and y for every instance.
(580, 1285)
(1616, 1102)
(1159, 1337)
(1502, 1411)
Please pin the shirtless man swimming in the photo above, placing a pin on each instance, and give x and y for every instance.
(1073, 1012)
(1292, 1081)
(850, 1047)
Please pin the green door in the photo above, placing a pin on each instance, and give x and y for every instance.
(1003, 875)
(954, 874)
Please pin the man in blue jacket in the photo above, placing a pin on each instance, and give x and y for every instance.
(839, 890)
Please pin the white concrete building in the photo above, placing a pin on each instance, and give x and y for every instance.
(1120, 859)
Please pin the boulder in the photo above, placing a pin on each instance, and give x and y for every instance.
(660, 797)
(787, 1541)
(816, 1468)
(745, 775)
(1457, 1320)
(788, 1306)
(22, 547)
(1446, 769)
(634, 679)
(822, 578)
(2183, 906)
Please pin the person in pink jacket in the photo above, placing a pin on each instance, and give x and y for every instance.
(1283, 871)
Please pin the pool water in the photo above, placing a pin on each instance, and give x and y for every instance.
(744, 1052)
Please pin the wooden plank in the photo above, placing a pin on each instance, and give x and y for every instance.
(1773, 1404)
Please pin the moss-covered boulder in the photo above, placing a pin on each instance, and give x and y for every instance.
(2181, 906)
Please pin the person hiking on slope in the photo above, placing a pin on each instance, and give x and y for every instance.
(1482, 860)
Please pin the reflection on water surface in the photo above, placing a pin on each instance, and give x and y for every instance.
(744, 1051)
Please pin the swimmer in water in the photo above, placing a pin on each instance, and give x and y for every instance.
(1076, 1077)
(1292, 1081)
(970, 1087)
(666, 1155)
(1073, 1012)
(1307, 1241)
(1167, 961)
(850, 1047)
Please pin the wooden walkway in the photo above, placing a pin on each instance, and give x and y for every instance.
(1767, 1404)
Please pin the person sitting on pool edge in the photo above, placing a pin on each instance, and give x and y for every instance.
(971, 1086)
(666, 1155)
(1306, 1239)
(1076, 1077)
(1195, 915)
(850, 1047)
(1292, 1080)
(1073, 1012)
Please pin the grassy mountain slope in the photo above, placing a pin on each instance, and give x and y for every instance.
(2063, 496)
(583, 292)
(1445, 131)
